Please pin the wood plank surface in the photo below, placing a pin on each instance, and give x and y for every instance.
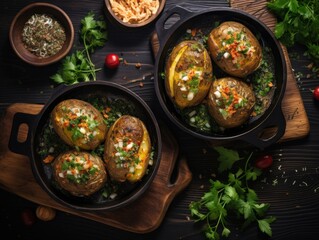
(143, 215)
(290, 185)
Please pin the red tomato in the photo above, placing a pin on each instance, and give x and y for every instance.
(112, 61)
(263, 162)
(28, 217)
(316, 93)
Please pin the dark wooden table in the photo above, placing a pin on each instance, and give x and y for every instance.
(291, 186)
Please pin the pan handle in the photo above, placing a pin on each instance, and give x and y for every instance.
(162, 30)
(15, 145)
(259, 137)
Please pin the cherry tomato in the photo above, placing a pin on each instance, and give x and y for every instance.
(112, 61)
(316, 93)
(264, 161)
(28, 217)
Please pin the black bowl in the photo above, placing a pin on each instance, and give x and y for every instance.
(43, 173)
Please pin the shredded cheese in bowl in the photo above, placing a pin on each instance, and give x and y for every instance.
(134, 11)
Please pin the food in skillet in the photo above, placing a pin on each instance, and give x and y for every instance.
(188, 74)
(235, 49)
(79, 173)
(127, 149)
(79, 124)
(230, 102)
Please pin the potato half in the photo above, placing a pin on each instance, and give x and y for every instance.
(127, 149)
(230, 102)
(79, 173)
(235, 49)
(188, 74)
(79, 124)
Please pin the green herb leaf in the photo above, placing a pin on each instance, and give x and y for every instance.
(297, 22)
(93, 32)
(225, 232)
(227, 158)
(280, 29)
(293, 6)
(264, 225)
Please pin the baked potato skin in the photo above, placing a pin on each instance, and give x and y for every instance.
(79, 173)
(235, 49)
(230, 102)
(79, 124)
(188, 74)
(127, 149)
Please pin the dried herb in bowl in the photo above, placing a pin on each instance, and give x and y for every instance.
(43, 35)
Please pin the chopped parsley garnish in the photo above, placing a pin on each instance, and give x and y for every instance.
(76, 170)
(199, 118)
(263, 82)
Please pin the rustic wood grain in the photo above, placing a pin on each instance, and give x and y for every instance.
(143, 215)
(290, 186)
(297, 123)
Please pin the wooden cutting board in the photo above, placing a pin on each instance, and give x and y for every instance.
(142, 216)
(297, 123)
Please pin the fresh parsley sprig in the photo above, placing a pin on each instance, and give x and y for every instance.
(79, 67)
(297, 23)
(231, 198)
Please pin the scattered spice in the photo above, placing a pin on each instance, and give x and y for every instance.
(43, 35)
(138, 65)
(48, 159)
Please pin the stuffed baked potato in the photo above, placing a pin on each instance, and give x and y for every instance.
(230, 102)
(127, 149)
(188, 74)
(235, 49)
(79, 173)
(79, 124)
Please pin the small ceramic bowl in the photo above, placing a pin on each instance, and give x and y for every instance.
(119, 22)
(18, 25)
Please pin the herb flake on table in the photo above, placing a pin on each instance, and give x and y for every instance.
(232, 198)
(78, 67)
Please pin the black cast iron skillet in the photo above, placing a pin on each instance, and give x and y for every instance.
(170, 35)
(43, 174)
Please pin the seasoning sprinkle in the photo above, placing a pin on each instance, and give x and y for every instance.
(43, 36)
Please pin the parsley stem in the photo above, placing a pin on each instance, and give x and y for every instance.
(220, 218)
(88, 57)
(89, 71)
(246, 166)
